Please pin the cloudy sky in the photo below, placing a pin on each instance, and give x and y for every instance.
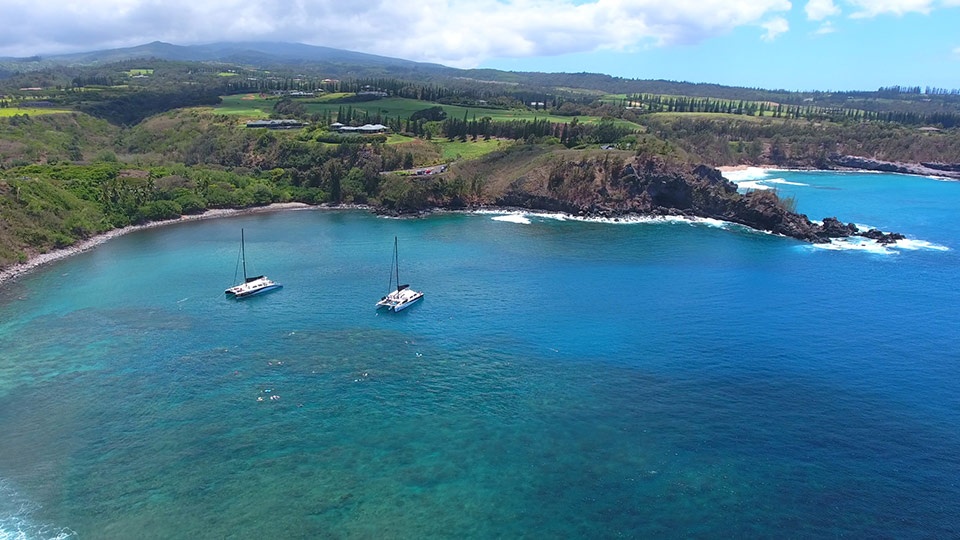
(797, 45)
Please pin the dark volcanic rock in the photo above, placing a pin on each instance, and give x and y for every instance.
(833, 228)
(601, 187)
(882, 237)
(948, 170)
(651, 187)
(950, 167)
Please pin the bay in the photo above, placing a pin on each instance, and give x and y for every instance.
(560, 378)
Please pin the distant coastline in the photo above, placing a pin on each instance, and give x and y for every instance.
(946, 171)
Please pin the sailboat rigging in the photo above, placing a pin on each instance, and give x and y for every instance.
(250, 285)
(403, 296)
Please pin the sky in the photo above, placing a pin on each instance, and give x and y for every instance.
(775, 44)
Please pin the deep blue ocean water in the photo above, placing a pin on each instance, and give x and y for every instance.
(560, 379)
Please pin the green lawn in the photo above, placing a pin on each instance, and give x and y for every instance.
(246, 105)
(454, 150)
(331, 96)
(468, 150)
(7, 112)
(396, 138)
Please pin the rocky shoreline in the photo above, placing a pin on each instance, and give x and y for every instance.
(941, 170)
(584, 189)
(649, 187)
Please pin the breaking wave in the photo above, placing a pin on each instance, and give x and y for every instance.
(526, 218)
(16, 522)
(868, 245)
(757, 178)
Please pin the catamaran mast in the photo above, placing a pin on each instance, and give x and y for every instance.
(396, 261)
(243, 257)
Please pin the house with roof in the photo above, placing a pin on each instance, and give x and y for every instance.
(365, 129)
(276, 124)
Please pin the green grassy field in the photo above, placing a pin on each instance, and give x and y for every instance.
(245, 105)
(7, 112)
(133, 72)
(396, 138)
(253, 105)
(455, 150)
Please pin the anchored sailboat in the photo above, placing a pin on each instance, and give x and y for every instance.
(404, 296)
(250, 285)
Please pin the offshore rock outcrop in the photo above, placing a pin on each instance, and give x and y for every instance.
(596, 187)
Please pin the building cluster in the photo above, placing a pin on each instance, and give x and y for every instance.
(276, 124)
(366, 128)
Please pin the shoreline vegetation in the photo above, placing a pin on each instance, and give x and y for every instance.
(13, 272)
(36, 261)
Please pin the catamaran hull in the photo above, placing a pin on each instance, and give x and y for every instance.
(255, 292)
(395, 306)
(405, 305)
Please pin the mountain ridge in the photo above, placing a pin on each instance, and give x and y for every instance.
(218, 52)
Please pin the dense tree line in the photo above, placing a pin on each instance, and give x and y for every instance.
(658, 103)
(799, 142)
(131, 108)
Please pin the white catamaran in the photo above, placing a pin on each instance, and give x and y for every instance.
(250, 285)
(404, 296)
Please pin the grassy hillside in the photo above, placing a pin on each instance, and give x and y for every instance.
(29, 139)
(39, 215)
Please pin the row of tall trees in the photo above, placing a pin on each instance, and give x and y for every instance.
(658, 103)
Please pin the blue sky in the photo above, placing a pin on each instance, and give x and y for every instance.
(796, 45)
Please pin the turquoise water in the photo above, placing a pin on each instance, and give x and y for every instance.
(560, 378)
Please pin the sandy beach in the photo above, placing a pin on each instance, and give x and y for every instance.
(15, 271)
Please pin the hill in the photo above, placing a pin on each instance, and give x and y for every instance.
(253, 54)
(306, 60)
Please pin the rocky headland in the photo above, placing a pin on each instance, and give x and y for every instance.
(599, 187)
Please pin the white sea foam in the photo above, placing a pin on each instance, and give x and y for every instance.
(913, 245)
(757, 178)
(785, 182)
(854, 243)
(859, 243)
(16, 522)
(526, 218)
(513, 218)
(744, 175)
(752, 184)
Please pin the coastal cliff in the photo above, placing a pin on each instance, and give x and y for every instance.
(616, 186)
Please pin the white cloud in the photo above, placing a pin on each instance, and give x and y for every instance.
(455, 32)
(774, 28)
(825, 28)
(873, 8)
(818, 10)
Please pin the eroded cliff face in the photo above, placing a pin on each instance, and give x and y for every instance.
(604, 187)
